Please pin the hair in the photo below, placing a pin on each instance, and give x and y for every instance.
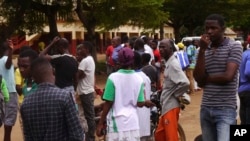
(137, 60)
(155, 41)
(131, 41)
(63, 42)
(217, 17)
(145, 39)
(40, 69)
(88, 45)
(29, 53)
(146, 57)
(139, 43)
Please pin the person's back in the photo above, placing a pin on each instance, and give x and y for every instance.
(49, 113)
(65, 70)
(123, 93)
(47, 107)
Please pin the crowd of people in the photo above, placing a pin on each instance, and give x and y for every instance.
(59, 90)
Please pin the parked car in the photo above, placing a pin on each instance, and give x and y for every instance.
(190, 38)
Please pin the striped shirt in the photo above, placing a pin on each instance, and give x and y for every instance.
(215, 95)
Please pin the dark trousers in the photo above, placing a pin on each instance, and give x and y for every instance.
(245, 107)
(89, 112)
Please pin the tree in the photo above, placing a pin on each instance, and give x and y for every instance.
(11, 17)
(110, 14)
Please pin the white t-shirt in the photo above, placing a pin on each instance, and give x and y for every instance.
(125, 89)
(149, 50)
(86, 85)
(144, 112)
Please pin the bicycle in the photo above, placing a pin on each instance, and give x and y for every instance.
(155, 115)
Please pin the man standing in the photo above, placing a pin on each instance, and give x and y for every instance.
(49, 114)
(216, 71)
(85, 87)
(7, 71)
(64, 63)
(175, 84)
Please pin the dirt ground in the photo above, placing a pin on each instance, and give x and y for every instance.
(189, 118)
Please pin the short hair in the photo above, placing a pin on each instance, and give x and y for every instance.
(139, 43)
(40, 68)
(88, 45)
(217, 17)
(146, 57)
(63, 42)
(131, 41)
(29, 53)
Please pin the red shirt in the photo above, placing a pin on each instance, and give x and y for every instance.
(157, 55)
(109, 52)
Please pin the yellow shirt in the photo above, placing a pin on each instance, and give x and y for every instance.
(19, 81)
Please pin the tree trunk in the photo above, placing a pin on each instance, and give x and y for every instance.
(161, 31)
(90, 25)
(177, 34)
(7, 30)
(53, 31)
(92, 38)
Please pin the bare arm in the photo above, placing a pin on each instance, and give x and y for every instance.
(199, 70)
(8, 63)
(106, 107)
(45, 51)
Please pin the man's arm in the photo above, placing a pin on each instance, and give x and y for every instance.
(106, 107)
(200, 74)
(225, 77)
(46, 50)
(8, 63)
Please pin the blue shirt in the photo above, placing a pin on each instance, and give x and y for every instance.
(8, 74)
(245, 72)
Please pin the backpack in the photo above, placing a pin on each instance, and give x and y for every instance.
(183, 59)
(1, 104)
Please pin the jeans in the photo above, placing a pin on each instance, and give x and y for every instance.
(89, 112)
(245, 107)
(215, 122)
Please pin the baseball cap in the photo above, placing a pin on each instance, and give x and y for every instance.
(126, 56)
(180, 45)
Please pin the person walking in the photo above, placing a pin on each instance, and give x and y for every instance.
(49, 113)
(123, 93)
(175, 84)
(216, 71)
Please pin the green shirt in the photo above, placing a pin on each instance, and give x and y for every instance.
(4, 90)
(28, 90)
